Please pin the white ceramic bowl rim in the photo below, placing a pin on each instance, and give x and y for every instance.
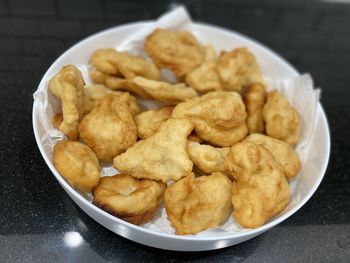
(173, 236)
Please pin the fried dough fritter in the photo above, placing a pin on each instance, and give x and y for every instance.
(210, 53)
(148, 122)
(254, 98)
(218, 117)
(94, 93)
(152, 89)
(204, 78)
(237, 69)
(193, 137)
(68, 85)
(162, 156)
(207, 158)
(261, 190)
(112, 62)
(78, 164)
(109, 128)
(98, 76)
(128, 198)
(282, 120)
(195, 204)
(281, 151)
(179, 52)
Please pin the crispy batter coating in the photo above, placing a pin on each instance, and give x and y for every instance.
(162, 156)
(254, 98)
(282, 120)
(204, 78)
(194, 204)
(94, 93)
(109, 128)
(237, 69)
(78, 164)
(57, 120)
(98, 76)
(68, 85)
(281, 151)
(104, 60)
(148, 122)
(178, 51)
(131, 66)
(152, 89)
(128, 198)
(218, 117)
(194, 137)
(112, 62)
(261, 190)
(207, 158)
(210, 53)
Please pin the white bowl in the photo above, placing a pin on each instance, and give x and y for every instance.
(272, 65)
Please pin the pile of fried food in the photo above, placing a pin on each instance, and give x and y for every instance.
(220, 143)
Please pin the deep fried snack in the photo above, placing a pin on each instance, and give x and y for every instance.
(178, 51)
(237, 69)
(204, 78)
(254, 98)
(281, 151)
(104, 60)
(148, 122)
(94, 93)
(207, 158)
(78, 164)
(218, 117)
(131, 66)
(193, 137)
(261, 190)
(128, 198)
(282, 120)
(68, 85)
(112, 62)
(98, 76)
(194, 204)
(152, 89)
(162, 156)
(57, 120)
(210, 53)
(109, 128)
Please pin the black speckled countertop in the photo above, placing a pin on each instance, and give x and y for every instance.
(37, 215)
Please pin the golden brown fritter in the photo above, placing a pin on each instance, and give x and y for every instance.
(128, 198)
(261, 190)
(218, 117)
(178, 51)
(152, 89)
(282, 120)
(94, 93)
(207, 158)
(210, 53)
(254, 98)
(162, 156)
(78, 164)
(204, 78)
(148, 122)
(194, 204)
(237, 69)
(68, 85)
(112, 62)
(281, 151)
(109, 128)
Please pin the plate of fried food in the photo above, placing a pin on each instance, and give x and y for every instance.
(181, 135)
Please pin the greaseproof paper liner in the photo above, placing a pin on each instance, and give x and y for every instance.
(299, 91)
